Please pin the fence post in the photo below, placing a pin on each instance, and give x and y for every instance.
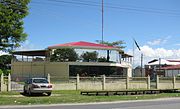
(77, 82)
(157, 82)
(9, 82)
(103, 82)
(127, 82)
(2, 82)
(174, 82)
(49, 77)
(148, 82)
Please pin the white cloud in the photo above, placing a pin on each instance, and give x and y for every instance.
(177, 44)
(159, 41)
(154, 53)
(158, 52)
(27, 45)
(155, 42)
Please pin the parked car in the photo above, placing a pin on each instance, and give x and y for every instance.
(37, 85)
(178, 75)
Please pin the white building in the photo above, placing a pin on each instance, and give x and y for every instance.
(162, 67)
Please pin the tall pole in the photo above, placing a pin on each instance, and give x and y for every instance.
(159, 65)
(102, 21)
(141, 64)
(133, 71)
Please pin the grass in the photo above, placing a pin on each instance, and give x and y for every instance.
(15, 98)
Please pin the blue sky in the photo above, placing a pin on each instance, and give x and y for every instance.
(154, 24)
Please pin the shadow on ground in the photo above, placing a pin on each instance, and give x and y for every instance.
(34, 95)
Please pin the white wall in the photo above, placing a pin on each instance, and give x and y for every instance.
(171, 73)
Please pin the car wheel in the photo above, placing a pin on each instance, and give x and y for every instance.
(29, 92)
(49, 93)
(24, 90)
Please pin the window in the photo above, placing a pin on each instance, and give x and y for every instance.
(40, 81)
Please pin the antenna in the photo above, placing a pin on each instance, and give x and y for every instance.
(102, 21)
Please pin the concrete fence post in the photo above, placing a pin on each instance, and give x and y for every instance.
(127, 82)
(2, 82)
(174, 82)
(77, 82)
(148, 82)
(103, 82)
(49, 77)
(157, 82)
(9, 82)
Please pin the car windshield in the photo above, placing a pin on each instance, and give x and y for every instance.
(40, 81)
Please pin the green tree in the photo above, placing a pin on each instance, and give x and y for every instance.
(5, 64)
(12, 13)
(1, 71)
(90, 56)
(5, 61)
(119, 44)
(64, 55)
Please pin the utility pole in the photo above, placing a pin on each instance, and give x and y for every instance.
(133, 70)
(102, 21)
(159, 65)
(141, 64)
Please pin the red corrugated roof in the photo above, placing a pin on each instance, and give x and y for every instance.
(174, 60)
(82, 44)
(173, 67)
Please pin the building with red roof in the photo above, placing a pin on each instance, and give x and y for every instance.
(163, 67)
(39, 62)
(83, 45)
(173, 70)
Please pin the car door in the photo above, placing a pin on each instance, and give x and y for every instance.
(27, 84)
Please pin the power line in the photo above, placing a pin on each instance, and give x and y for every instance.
(72, 2)
(130, 6)
(55, 4)
(142, 10)
(46, 12)
(87, 1)
(137, 9)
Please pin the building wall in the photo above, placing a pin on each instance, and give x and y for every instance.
(134, 85)
(24, 70)
(57, 70)
(167, 85)
(137, 72)
(116, 86)
(64, 86)
(98, 86)
(171, 73)
(90, 86)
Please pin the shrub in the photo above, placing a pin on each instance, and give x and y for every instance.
(6, 72)
(102, 59)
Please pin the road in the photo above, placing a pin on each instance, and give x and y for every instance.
(173, 103)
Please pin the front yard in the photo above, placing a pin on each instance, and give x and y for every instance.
(59, 97)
